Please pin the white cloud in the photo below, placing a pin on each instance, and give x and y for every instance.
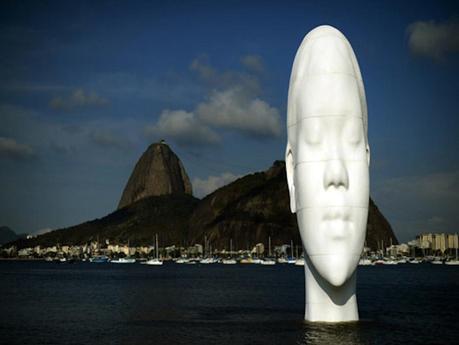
(10, 148)
(202, 188)
(182, 127)
(233, 103)
(434, 40)
(232, 109)
(253, 63)
(78, 99)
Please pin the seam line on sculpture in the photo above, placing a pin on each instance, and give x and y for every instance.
(353, 76)
(330, 160)
(325, 115)
(328, 206)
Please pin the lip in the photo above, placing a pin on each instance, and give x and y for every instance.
(337, 213)
(337, 223)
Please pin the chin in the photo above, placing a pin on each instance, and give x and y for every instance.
(336, 269)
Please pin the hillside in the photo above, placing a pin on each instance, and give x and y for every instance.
(247, 211)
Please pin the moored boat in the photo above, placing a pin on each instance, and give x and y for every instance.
(99, 259)
(299, 262)
(126, 260)
(268, 262)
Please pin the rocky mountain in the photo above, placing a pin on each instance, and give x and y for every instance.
(257, 206)
(247, 211)
(158, 172)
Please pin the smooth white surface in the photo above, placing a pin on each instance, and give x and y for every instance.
(327, 160)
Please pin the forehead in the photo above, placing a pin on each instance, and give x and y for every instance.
(325, 95)
(325, 80)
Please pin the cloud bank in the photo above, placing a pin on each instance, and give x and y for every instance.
(432, 39)
(10, 148)
(204, 187)
(232, 103)
(182, 127)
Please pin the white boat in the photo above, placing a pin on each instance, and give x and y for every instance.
(454, 262)
(299, 262)
(390, 262)
(414, 261)
(127, 260)
(208, 261)
(156, 261)
(268, 262)
(153, 262)
(436, 262)
(229, 262)
(282, 260)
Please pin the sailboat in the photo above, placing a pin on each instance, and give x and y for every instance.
(268, 261)
(230, 260)
(299, 260)
(292, 259)
(208, 259)
(156, 261)
(453, 262)
(125, 260)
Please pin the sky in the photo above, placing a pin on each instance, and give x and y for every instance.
(86, 86)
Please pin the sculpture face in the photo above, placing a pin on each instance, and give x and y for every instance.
(327, 154)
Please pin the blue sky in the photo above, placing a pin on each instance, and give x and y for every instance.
(85, 87)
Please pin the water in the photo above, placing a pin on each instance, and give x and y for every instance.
(84, 303)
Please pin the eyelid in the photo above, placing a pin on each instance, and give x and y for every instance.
(352, 133)
(313, 133)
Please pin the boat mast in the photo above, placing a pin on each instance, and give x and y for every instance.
(156, 245)
(269, 245)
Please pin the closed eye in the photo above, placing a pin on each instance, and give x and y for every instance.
(313, 133)
(353, 132)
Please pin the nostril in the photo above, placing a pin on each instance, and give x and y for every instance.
(335, 174)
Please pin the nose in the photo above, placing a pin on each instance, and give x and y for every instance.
(335, 174)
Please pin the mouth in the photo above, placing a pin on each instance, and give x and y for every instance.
(337, 223)
(337, 213)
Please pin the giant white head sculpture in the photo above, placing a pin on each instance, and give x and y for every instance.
(327, 161)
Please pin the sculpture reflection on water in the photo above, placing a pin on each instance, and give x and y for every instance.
(327, 161)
